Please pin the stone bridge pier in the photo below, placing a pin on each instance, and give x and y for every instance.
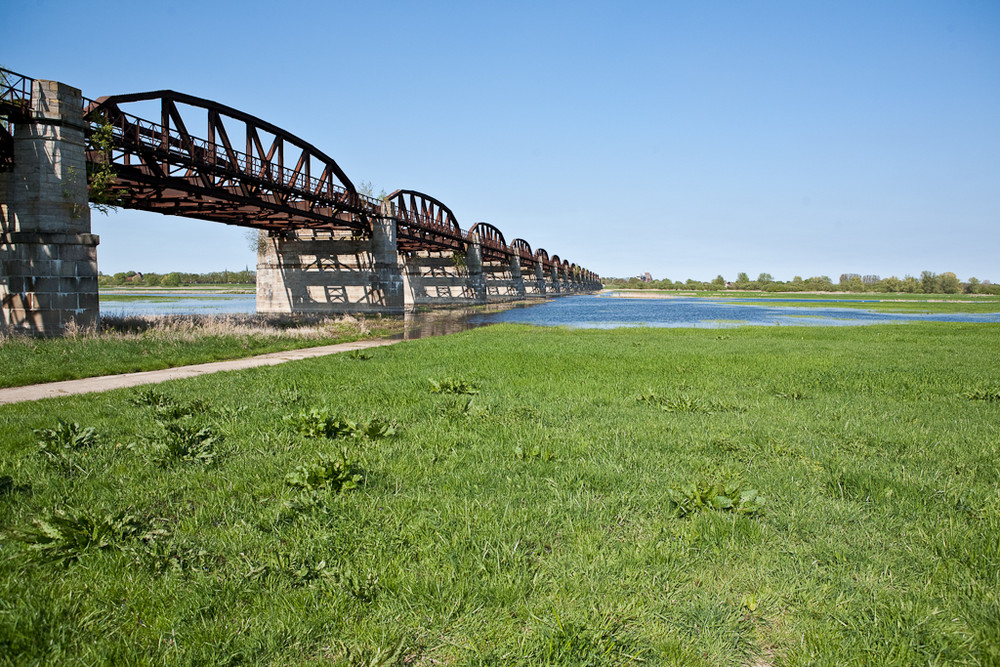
(48, 257)
(331, 271)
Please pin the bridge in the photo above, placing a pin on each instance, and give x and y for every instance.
(323, 246)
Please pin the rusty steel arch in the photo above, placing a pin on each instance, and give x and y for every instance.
(491, 241)
(523, 251)
(424, 223)
(542, 256)
(276, 182)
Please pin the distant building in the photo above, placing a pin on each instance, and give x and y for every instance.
(647, 277)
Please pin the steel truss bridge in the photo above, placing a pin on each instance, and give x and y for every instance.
(237, 169)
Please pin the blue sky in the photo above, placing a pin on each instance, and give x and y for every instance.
(686, 139)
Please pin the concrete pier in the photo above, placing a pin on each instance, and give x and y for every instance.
(437, 278)
(48, 256)
(325, 271)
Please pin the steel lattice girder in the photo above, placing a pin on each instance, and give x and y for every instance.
(162, 167)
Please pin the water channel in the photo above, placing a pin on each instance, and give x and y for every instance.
(583, 311)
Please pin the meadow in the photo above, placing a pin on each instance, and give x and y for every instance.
(522, 496)
(874, 301)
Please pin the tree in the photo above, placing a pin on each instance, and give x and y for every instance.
(948, 283)
(171, 280)
(928, 282)
(891, 284)
(972, 286)
(819, 284)
(101, 174)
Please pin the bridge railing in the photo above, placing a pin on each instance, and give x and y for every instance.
(15, 103)
(15, 92)
(427, 222)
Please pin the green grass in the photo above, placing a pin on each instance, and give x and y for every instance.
(878, 302)
(135, 343)
(218, 288)
(758, 496)
(894, 305)
(158, 298)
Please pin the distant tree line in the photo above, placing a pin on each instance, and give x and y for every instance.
(928, 283)
(177, 278)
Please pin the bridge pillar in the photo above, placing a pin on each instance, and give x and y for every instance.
(474, 265)
(552, 284)
(48, 257)
(516, 279)
(437, 278)
(539, 280)
(331, 271)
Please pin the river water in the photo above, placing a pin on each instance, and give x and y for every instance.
(584, 311)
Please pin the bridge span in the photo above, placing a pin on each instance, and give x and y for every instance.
(324, 247)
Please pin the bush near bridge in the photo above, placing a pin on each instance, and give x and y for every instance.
(757, 496)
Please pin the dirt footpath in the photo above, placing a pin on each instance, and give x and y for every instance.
(89, 385)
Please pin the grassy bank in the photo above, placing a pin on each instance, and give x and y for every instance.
(144, 343)
(114, 292)
(883, 303)
(520, 496)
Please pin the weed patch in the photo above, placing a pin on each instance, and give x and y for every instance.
(686, 403)
(990, 395)
(692, 497)
(326, 473)
(66, 535)
(533, 454)
(452, 386)
(166, 407)
(64, 445)
(186, 443)
(320, 423)
(605, 642)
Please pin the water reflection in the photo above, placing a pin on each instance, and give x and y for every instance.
(439, 323)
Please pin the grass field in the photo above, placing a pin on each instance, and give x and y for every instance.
(522, 496)
(877, 302)
(137, 343)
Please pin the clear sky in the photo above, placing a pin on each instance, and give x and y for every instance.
(683, 138)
